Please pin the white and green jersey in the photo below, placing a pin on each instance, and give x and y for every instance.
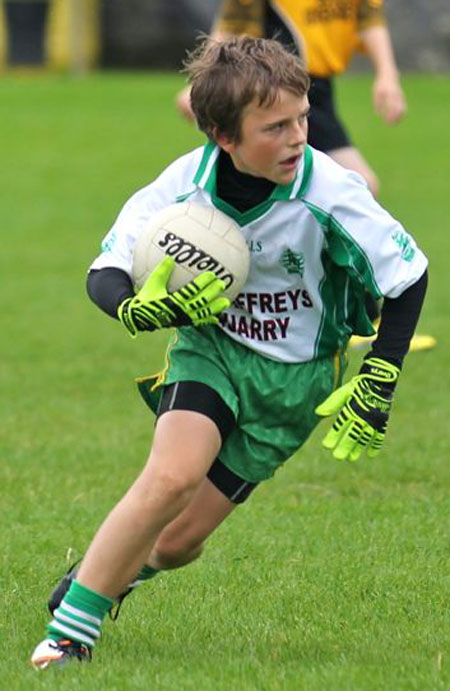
(316, 245)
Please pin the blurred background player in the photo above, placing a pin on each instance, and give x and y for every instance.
(326, 34)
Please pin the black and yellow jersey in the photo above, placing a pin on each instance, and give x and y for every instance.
(324, 32)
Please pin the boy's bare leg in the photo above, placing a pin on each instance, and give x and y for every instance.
(182, 540)
(184, 447)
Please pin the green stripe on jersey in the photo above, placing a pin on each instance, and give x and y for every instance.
(344, 250)
(343, 309)
(208, 151)
(307, 170)
(347, 273)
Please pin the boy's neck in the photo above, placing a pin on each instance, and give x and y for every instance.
(240, 190)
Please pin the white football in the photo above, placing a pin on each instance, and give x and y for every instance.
(199, 238)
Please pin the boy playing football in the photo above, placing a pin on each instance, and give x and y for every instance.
(247, 382)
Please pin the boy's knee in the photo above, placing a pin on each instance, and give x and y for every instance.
(164, 487)
(169, 553)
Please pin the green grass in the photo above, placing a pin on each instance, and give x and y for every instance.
(333, 577)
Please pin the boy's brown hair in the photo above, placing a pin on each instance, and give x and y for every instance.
(227, 76)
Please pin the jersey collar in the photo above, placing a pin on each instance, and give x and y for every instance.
(206, 178)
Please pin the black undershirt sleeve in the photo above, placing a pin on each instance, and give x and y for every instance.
(108, 288)
(399, 319)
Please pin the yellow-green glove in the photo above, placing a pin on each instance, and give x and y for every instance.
(363, 405)
(195, 304)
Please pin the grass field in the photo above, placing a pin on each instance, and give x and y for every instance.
(333, 577)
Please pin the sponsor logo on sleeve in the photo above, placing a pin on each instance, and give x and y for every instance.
(109, 241)
(404, 242)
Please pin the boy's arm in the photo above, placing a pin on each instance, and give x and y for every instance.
(364, 403)
(399, 319)
(108, 288)
(388, 97)
(195, 304)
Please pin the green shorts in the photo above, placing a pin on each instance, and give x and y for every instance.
(273, 402)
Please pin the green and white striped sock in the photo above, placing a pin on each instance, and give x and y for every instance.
(144, 574)
(79, 616)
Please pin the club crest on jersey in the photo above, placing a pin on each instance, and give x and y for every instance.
(293, 262)
(403, 241)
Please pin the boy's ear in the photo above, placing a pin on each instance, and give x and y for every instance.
(223, 140)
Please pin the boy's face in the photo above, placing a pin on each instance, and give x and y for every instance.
(273, 138)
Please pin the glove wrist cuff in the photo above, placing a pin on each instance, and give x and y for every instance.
(381, 372)
(125, 316)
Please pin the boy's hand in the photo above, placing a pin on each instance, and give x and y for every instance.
(363, 405)
(195, 304)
